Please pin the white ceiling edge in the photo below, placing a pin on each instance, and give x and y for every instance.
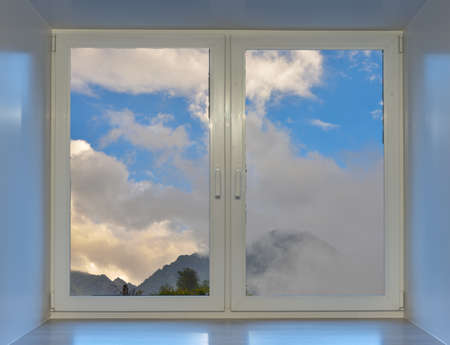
(229, 14)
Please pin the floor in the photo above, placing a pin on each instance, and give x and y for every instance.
(229, 332)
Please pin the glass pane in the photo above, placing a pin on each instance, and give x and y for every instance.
(139, 172)
(315, 157)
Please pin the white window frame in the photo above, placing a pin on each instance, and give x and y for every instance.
(393, 140)
(227, 216)
(62, 301)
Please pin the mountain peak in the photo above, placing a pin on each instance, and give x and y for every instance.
(86, 284)
(168, 274)
(119, 280)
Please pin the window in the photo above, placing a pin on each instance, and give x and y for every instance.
(167, 169)
(145, 123)
(319, 213)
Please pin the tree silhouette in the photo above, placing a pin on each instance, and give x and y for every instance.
(187, 280)
(125, 290)
(166, 289)
(187, 285)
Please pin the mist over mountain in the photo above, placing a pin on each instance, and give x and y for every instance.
(286, 262)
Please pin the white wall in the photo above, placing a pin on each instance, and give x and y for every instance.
(24, 160)
(428, 199)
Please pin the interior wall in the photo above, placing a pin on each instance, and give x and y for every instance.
(24, 162)
(428, 161)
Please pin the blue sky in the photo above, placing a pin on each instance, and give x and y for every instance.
(90, 123)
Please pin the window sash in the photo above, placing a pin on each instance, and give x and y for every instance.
(62, 301)
(393, 170)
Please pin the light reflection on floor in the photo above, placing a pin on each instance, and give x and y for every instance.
(228, 332)
(141, 338)
(313, 337)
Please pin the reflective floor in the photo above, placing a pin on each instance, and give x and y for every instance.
(229, 332)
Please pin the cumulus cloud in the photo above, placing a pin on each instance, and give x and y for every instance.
(78, 147)
(325, 126)
(274, 72)
(184, 72)
(131, 255)
(154, 136)
(175, 72)
(161, 222)
(103, 192)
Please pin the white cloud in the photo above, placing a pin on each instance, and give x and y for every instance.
(132, 255)
(325, 126)
(184, 72)
(377, 114)
(364, 61)
(154, 136)
(176, 72)
(103, 192)
(128, 228)
(310, 193)
(270, 72)
(78, 147)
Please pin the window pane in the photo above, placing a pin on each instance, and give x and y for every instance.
(139, 172)
(315, 157)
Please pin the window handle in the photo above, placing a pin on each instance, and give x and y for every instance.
(218, 183)
(237, 183)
